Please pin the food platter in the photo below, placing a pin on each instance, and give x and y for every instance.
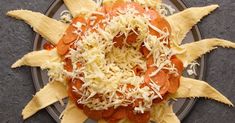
(181, 106)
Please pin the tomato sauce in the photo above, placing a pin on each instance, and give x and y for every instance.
(168, 83)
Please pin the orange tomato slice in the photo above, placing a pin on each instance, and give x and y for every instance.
(138, 70)
(62, 48)
(174, 83)
(68, 65)
(157, 21)
(175, 79)
(77, 84)
(144, 51)
(118, 41)
(69, 36)
(131, 38)
(119, 113)
(149, 61)
(93, 114)
(161, 79)
(108, 113)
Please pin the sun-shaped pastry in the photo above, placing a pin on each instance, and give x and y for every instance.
(118, 60)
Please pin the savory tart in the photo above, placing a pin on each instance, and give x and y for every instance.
(118, 60)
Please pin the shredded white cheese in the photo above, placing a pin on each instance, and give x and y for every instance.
(108, 71)
(192, 68)
(55, 71)
(65, 16)
(166, 10)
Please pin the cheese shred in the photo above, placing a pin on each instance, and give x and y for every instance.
(107, 71)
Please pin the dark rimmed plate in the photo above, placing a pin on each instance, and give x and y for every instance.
(40, 78)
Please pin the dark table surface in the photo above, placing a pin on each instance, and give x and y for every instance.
(16, 86)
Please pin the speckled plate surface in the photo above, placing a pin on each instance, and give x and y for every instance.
(40, 78)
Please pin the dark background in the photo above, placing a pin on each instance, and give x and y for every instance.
(16, 86)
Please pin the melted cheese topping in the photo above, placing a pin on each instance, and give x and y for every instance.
(107, 71)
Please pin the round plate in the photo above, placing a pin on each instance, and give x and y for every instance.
(40, 78)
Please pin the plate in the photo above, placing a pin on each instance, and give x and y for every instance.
(40, 78)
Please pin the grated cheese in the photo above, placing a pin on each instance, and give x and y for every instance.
(192, 68)
(166, 10)
(108, 70)
(147, 3)
(55, 71)
(65, 16)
